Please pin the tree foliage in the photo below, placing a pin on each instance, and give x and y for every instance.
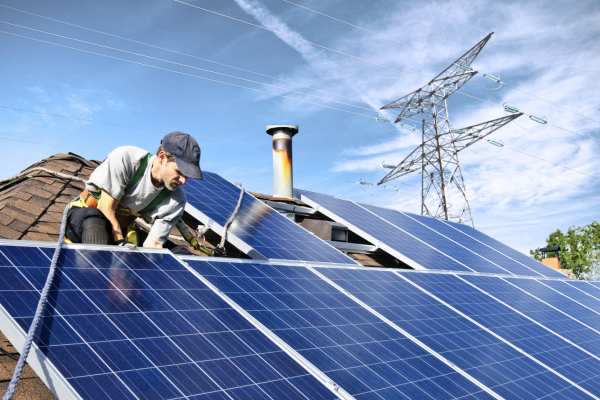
(579, 249)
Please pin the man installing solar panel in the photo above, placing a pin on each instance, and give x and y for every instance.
(129, 183)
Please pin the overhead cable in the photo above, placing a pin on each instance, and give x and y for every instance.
(181, 72)
(179, 64)
(165, 49)
(486, 75)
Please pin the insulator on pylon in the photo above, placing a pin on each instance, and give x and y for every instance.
(365, 183)
(539, 120)
(493, 78)
(387, 166)
(495, 143)
(511, 109)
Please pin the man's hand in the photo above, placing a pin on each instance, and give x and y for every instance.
(152, 243)
(125, 243)
(108, 206)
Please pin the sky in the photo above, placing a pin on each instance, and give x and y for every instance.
(87, 76)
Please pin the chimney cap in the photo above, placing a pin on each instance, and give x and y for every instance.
(291, 129)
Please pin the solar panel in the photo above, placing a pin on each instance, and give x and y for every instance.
(499, 259)
(596, 284)
(573, 363)
(427, 243)
(508, 372)
(123, 325)
(570, 322)
(590, 287)
(504, 249)
(581, 323)
(357, 350)
(402, 245)
(579, 291)
(463, 254)
(258, 230)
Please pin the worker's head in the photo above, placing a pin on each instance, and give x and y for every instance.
(179, 159)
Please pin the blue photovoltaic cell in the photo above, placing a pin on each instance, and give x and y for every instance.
(586, 286)
(563, 324)
(504, 249)
(596, 284)
(121, 324)
(357, 350)
(491, 361)
(508, 264)
(568, 360)
(580, 291)
(464, 255)
(353, 215)
(259, 226)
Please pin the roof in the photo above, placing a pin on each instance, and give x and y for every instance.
(31, 203)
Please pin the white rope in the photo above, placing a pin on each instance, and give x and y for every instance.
(230, 220)
(12, 386)
(46, 170)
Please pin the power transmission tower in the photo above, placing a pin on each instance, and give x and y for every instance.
(443, 193)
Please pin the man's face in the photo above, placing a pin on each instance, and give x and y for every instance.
(172, 178)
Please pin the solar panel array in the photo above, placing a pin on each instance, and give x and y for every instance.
(427, 243)
(147, 325)
(123, 325)
(258, 230)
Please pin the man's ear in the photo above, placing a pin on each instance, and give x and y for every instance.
(161, 155)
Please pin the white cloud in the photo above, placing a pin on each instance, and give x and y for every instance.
(547, 54)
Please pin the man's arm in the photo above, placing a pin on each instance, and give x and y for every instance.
(158, 234)
(108, 206)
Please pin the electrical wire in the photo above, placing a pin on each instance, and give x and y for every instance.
(331, 17)
(261, 27)
(466, 94)
(147, 44)
(200, 58)
(179, 72)
(165, 49)
(484, 73)
(178, 64)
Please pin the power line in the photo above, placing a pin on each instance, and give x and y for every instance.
(165, 49)
(261, 27)
(87, 42)
(179, 72)
(331, 17)
(472, 96)
(147, 44)
(345, 22)
(186, 65)
(531, 95)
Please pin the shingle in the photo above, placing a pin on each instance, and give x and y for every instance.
(9, 233)
(30, 206)
(39, 192)
(18, 214)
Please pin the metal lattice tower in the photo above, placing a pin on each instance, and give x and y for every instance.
(443, 193)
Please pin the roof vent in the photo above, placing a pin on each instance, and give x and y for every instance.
(282, 159)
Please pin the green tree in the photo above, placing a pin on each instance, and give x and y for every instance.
(579, 249)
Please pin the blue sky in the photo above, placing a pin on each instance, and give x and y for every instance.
(222, 70)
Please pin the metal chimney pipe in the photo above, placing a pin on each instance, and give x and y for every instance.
(282, 159)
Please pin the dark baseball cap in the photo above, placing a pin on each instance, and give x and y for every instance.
(186, 151)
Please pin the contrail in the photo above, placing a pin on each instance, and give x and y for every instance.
(312, 55)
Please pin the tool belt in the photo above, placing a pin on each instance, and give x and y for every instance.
(89, 198)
